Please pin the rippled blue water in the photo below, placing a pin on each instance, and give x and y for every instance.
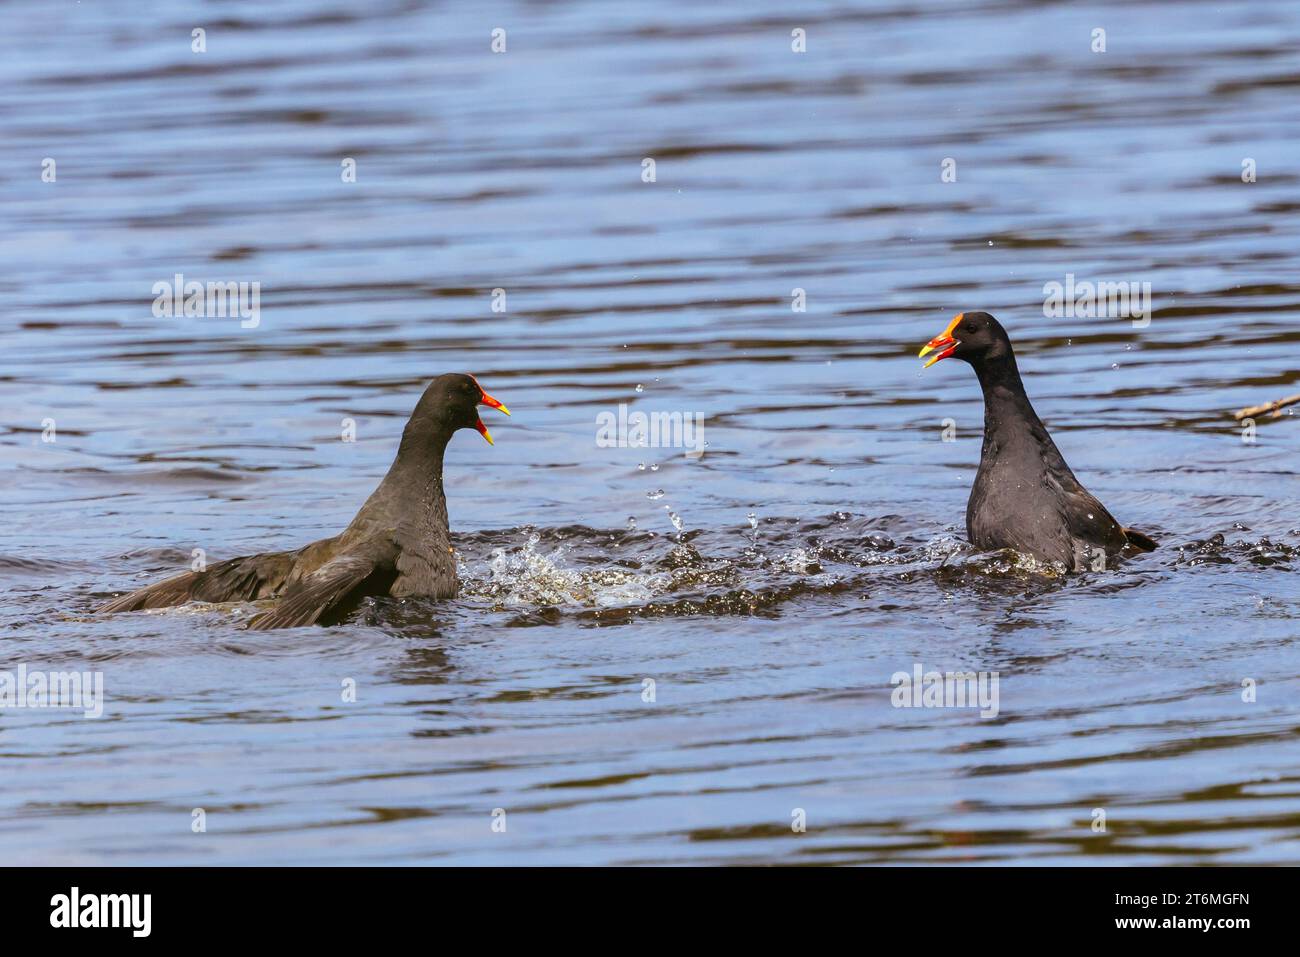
(771, 647)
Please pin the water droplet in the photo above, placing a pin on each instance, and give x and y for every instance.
(640, 466)
(654, 467)
(640, 387)
(676, 520)
(631, 523)
(657, 493)
(753, 521)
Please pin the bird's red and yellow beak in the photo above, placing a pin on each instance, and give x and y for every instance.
(485, 399)
(943, 341)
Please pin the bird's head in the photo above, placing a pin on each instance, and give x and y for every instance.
(454, 398)
(973, 336)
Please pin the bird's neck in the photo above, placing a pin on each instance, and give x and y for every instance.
(412, 490)
(1009, 416)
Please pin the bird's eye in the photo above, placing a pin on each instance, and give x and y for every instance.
(969, 327)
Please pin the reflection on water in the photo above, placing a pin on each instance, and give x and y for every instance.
(770, 641)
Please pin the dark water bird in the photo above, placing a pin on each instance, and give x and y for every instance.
(1025, 497)
(398, 544)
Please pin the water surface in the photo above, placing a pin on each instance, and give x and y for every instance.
(771, 640)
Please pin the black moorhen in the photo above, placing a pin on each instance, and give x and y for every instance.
(1025, 497)
(398, 544)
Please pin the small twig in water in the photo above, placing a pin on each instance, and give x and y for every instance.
(1275, 407)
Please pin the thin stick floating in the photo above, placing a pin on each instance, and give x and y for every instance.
(1275, 408)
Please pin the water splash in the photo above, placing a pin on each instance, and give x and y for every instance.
(528, 577)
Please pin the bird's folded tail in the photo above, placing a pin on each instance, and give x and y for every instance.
(1140, 541)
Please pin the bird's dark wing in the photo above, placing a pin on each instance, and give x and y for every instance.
(306, 600)
(1091, 526)
(1087, 522)
(236, 579)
